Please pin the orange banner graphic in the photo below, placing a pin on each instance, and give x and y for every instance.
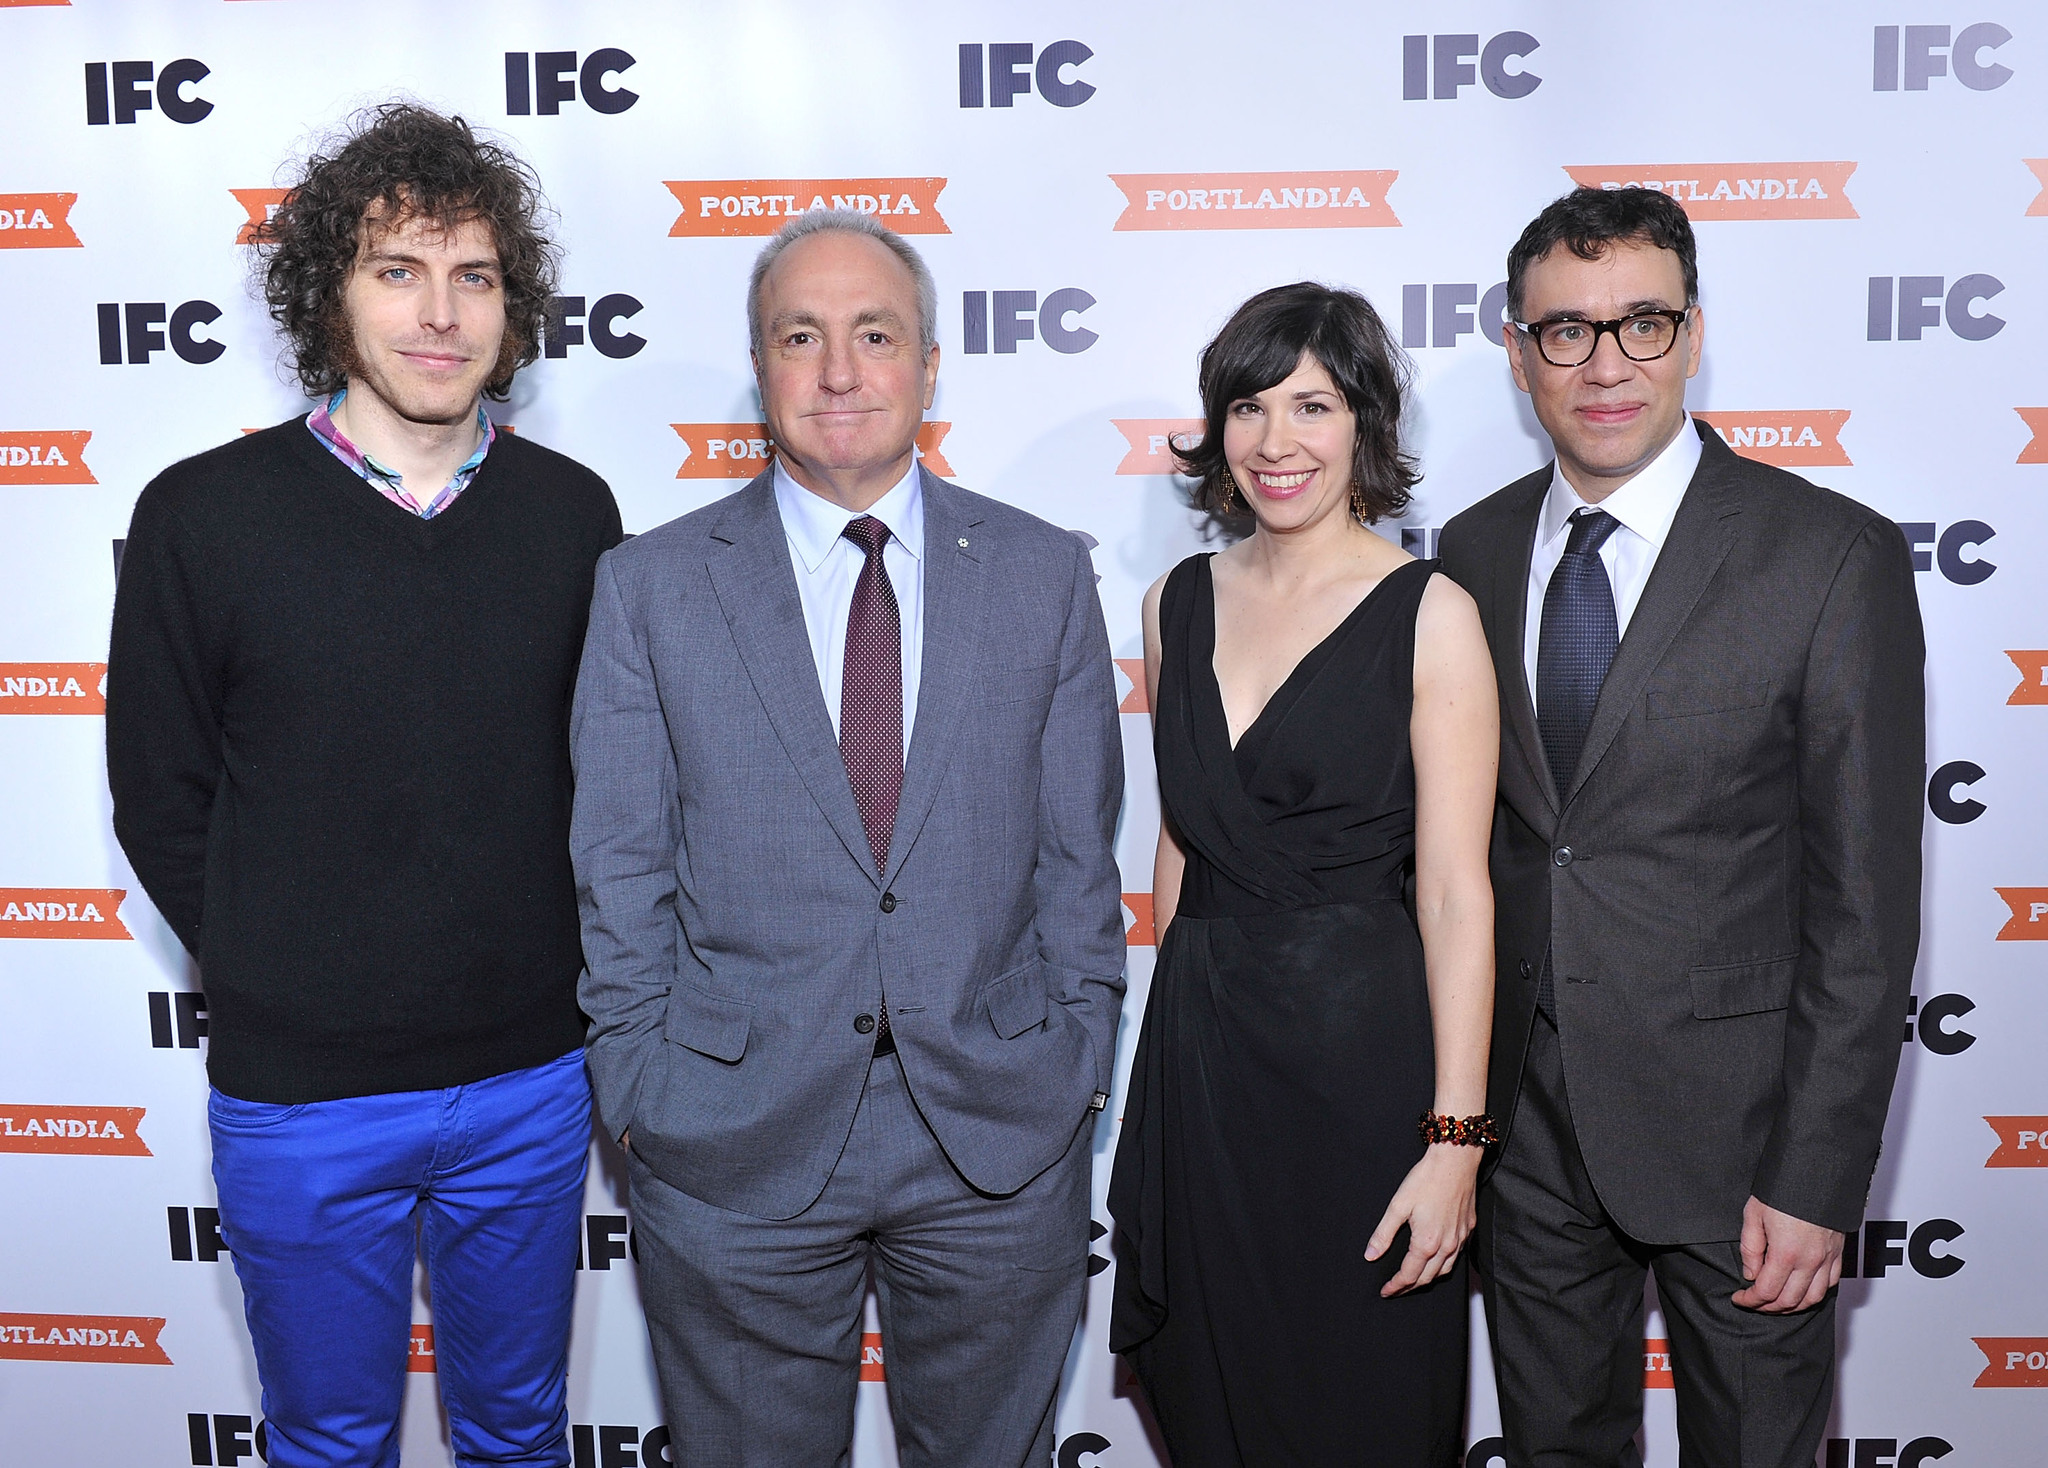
(2033, 666)
(2029, 921)
(120, 1340)
(1657, 1364)
(419, 1355)
(73, 1131)
(259, 205)
(742, 450)
(2040, 167)
(722, 450)
(46, 456)
(2022, 1141)
(53, 688)
(37, 222)
(756, 206)
(1152, 442)
(62, 912)
(1342, 199)
(1788, 439)
(871, 1368)
(1134, 702)
(930, 434)
(1139, 933)
(2036, 451)
(23, 4)
(1736, 190)
(2013, 1360)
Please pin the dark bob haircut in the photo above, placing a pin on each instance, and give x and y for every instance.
(1262, 343)
(1589, 221)
(400, 162)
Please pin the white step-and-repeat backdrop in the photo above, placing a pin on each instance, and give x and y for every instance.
(1095, 187)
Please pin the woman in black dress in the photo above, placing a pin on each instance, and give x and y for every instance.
(1289, 1283)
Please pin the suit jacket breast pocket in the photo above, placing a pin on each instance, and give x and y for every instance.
(1697, 700)
(709, 1024)
(1002, 686)
(1724, 990)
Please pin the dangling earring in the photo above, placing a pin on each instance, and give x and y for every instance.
(1229, 493)
(1358, 506)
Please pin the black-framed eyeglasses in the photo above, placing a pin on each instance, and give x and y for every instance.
(1643, 336)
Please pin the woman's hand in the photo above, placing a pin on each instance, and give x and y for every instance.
(1438, 1200)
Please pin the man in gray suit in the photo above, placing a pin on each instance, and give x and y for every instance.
(1706, 868)
(847, 776)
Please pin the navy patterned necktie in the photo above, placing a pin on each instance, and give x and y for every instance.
(1575, 646)
(871, 692)
(1573, 652)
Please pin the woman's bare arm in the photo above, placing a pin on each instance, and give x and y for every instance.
(1455, 735)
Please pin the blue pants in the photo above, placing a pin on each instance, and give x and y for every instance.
(323, 1205)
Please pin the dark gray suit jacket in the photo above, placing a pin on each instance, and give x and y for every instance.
(734, 925)
(1731, 886)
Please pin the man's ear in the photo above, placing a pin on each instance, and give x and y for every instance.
(1512, 340)
(931, 376)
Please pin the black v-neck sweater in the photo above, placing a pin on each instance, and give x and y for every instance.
(337, 739)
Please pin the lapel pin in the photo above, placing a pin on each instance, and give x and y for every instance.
(963, 545)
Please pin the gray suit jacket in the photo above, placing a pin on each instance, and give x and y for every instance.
(1730, 887)
(733, 923)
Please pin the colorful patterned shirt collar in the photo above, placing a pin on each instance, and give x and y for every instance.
(385, 480)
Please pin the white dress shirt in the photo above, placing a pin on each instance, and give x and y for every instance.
(1645, 506)
(828, 564)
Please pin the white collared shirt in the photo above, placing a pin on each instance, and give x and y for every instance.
(828, 564)
(1645, 506)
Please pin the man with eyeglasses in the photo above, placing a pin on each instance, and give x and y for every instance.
(1706, 866)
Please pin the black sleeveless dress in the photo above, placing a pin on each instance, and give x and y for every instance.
(1285, 1057)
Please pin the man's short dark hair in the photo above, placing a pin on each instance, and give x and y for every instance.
(401, 162)
(1262, 344)
(1588, 222)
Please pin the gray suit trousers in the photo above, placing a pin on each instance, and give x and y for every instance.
(1564, 1301)
(756, 1322)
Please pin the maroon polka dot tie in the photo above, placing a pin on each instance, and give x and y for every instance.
(871, 693)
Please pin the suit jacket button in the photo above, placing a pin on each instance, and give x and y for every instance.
(865, 1023)
(888, 902)
(1525, 968)
(1562, 856)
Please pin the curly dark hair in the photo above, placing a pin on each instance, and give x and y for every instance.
(1587, 221)
(400, 161)
(1262, 343)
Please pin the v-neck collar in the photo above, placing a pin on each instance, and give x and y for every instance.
(388, 481)
(1304, 669)
(394, 519)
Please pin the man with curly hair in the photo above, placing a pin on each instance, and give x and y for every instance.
(337, 737)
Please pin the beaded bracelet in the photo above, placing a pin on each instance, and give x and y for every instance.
(1459, 1131)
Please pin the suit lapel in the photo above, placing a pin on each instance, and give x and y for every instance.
(955, 615)
(1509, 615)
(755, 583)
(1701, 535)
